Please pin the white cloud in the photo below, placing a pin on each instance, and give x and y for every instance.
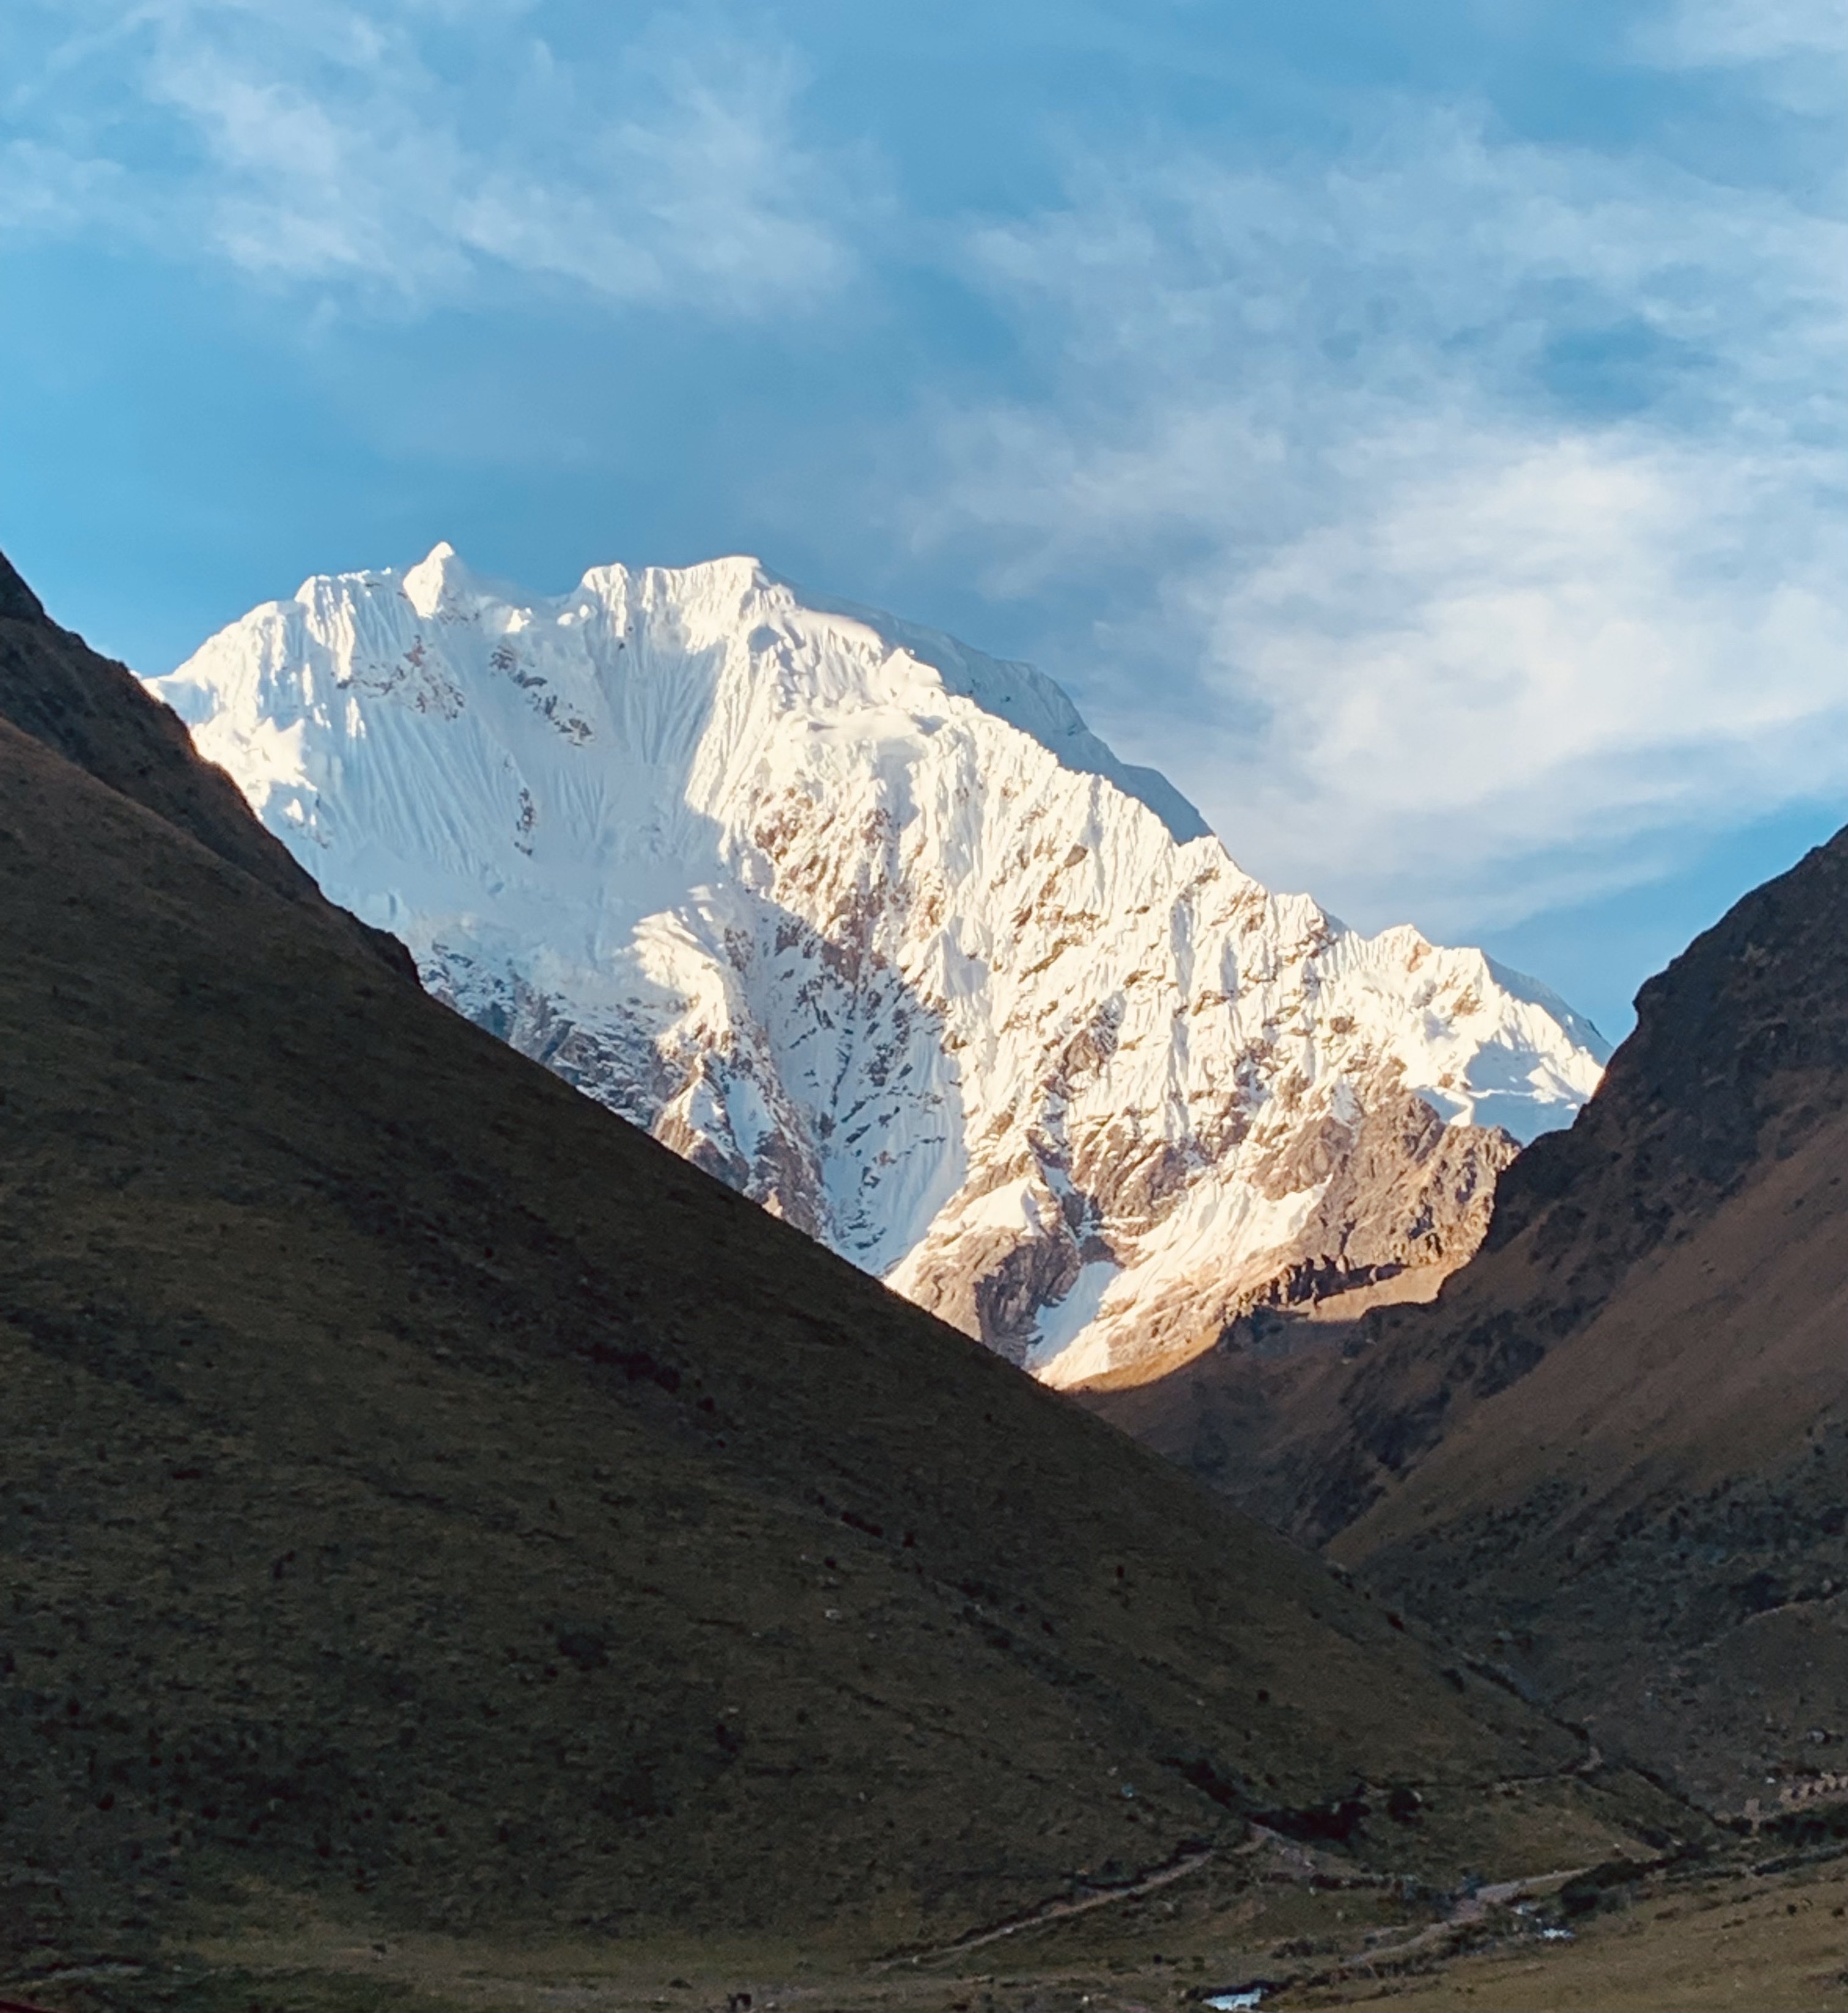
(1476, 506)
(1795, 51)
(1516, 644)
(43, 189)
(429, 149)
(1746, 31)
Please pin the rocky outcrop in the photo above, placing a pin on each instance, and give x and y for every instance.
(1738, 1063)
(872, 927)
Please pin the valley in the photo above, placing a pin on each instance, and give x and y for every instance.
(433, 1509)
(461, 1552)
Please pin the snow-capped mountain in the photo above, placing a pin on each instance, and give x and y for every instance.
(872, 926)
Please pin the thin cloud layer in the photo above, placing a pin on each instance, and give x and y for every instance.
(425, 153)
(1457, 517)
(1489, 494)
(1732, 31)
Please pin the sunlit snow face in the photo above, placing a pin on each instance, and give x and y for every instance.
(873, 927)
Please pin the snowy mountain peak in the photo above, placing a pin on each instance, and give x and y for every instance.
(439, 583)
(871, 924)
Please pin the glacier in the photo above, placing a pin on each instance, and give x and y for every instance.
(871, 926)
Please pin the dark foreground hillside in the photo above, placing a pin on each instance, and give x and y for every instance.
(1612, 1457)
(428, 1505)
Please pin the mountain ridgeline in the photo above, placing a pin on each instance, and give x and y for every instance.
(871, 926)
(431, 1505)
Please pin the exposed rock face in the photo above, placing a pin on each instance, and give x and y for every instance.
(870, 926)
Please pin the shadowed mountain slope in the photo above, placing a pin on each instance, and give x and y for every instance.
(1614, 1455)
(1738, 1064)
(96, 713)
(427, 1499)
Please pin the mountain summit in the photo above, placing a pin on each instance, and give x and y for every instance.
(872, 926)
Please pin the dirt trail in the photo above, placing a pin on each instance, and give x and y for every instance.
(1469, 1910)
(1053, 1912)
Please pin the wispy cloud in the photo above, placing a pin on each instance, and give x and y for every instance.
(1478, 503)
(1459, 517)
(1730, 31)
(46, 189)
(425, 151)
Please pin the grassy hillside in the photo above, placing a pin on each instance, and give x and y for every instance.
(428, 1503)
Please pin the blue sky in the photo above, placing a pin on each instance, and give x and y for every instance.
(1417, 426)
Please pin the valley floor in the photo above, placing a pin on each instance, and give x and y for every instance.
(1301, 1929)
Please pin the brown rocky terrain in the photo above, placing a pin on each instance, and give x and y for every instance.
(430, 1508)
(1613, 1453)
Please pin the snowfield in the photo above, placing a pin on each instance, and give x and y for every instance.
(870, 925)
